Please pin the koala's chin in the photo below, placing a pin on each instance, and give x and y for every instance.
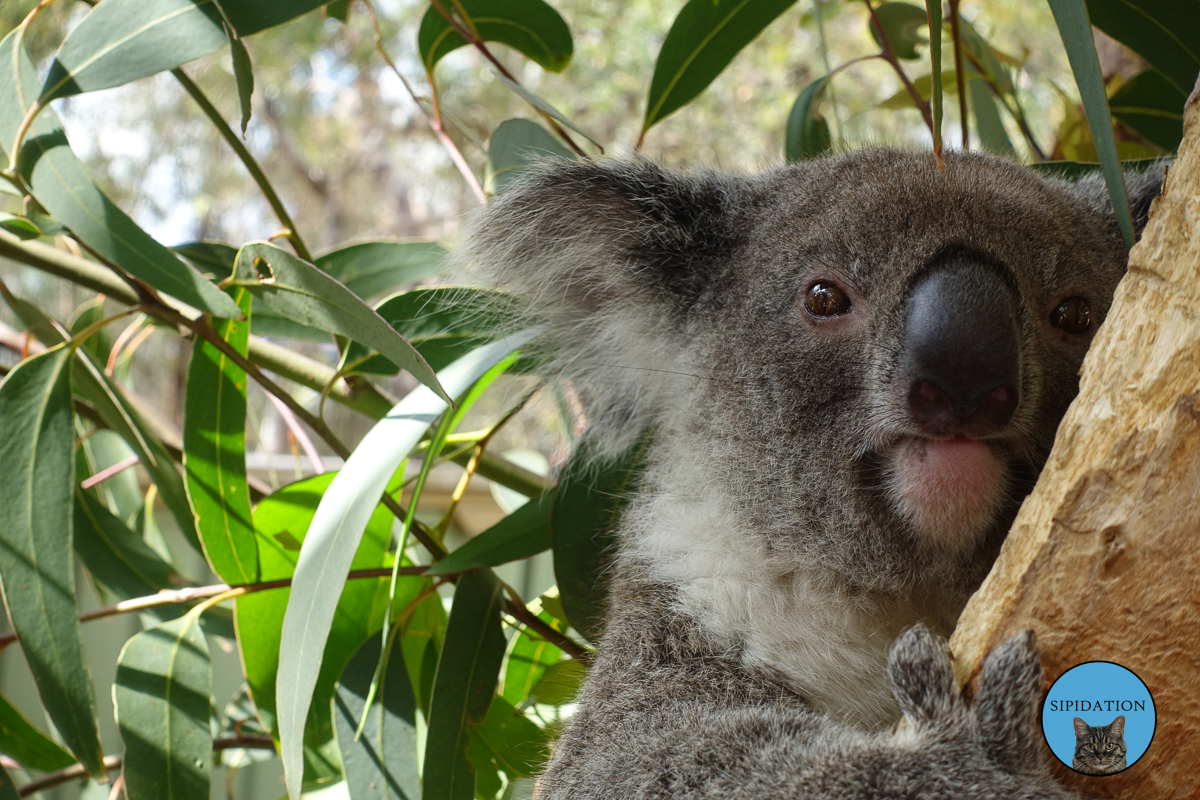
(949, 491)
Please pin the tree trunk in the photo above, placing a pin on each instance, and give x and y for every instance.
(1103, 561)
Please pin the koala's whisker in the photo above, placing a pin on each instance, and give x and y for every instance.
(674, 372)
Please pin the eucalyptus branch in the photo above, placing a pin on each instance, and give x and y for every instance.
(471, 37)
(260, 178)
(889, 56)
(960, 79)
(434, 120)
(73, 772)
(357, 393)
(191, 594)
(515, 607)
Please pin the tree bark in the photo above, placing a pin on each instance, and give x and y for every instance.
(1103, 561)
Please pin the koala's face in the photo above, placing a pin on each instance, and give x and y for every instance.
(868, 356)
(906, 342)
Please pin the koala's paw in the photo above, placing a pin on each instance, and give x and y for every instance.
(996, 740)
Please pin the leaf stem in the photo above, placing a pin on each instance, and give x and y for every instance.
(435, 119)
(64, 775)
(959, 77)
(260, 177)
(473, 38)
(887, 55)
(515, 607)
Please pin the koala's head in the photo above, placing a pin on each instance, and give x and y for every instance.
(870, 356)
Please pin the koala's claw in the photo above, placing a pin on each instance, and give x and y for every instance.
(921, 677)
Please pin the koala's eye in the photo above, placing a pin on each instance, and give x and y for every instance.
(826, 300)
(1072, 315)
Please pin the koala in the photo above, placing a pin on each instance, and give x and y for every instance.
(854, 368)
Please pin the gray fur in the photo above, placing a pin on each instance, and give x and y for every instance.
(760, 641)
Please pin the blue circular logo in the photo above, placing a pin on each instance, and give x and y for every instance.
(1098, 718)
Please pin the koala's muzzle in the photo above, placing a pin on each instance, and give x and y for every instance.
(962, 349)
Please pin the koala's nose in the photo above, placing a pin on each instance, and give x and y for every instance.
(962, 349)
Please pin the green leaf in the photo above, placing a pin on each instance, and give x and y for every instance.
(531, 27)
(507, 741)
(514, 146)
(1076, 31)
(358, 610)
(304, 293)
(62, 186)
(988, 125)
(123, 40)
(37, 442)
(542, 105)
(370, 269)
(214, 451)
(1164, 32)
(8, 790)
(807, 131)
(99, 343)
(464, 686)
(335, 532)
(382, 764)
(118, 559)
(529, 656)
(20, 227)
(702, 41)
(523, 533)
(902, 24)
(583, 525)
(31, 748)
(243, 73)
(443, 324)
(1152, 106)
(560, 683)
(162, 698)
(1074, 170)
(934, 8)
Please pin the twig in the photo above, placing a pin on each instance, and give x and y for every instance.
(516, 608)
(64, 775)
(247, 159)
(890, 57)
(473, 38)
(434, 121)
(108, 472)
(170, 597)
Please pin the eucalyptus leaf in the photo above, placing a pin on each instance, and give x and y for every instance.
(370, 269)
(807, 131)
(336, 529)
(62, 186)
(118, 559)
(1151, 105)
(287, 514)
(28, 746)
(1075, 28)
(306, 294)
(123, 40)
(8, 790)
(507, 741)
(21, 227)
(514, 146)
(703, 39)
(583, 524)
(382, 763)
(902, 24)
(560, 683)
(1164, 33)
(529, 656)
(37, 442)
(243, 73)
(464, 686)
(523, 533)
(161, 694)
(214, 451)
(531, 27)
(988, 125)
(540, 104)
(442, 323)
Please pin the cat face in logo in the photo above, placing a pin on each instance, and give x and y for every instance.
(1099, 749)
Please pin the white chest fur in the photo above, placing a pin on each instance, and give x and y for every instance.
(833, 648)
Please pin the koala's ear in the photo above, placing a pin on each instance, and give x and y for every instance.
(615, 257)
(582, 236)
(1142, 186)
